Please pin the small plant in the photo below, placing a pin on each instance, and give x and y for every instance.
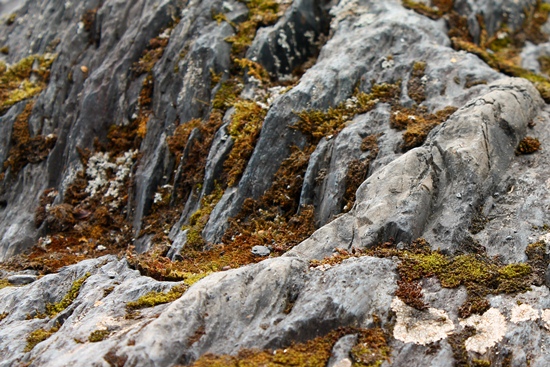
(53, 309)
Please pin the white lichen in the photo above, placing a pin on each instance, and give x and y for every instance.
(524, 312)
(420, 327)
(546, 318)
(490, 327)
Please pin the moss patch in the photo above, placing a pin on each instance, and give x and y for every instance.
(154, 298)
(25, 149)
(53, 309)
(416, 84)
(4, 283)
(479, 274)
(98, 335)
(528, 145)
(15, 81)
(38, 336)
(371, 350)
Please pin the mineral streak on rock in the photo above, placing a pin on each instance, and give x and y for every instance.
(334, 182)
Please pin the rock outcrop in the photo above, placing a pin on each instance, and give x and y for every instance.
(320, 183)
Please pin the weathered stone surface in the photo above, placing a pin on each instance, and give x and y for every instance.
(465, 175)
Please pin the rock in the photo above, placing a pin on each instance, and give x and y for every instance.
(22, 279)
(341, 350)
(260, 251)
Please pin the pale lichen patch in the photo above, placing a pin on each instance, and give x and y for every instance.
(490, 327)
(524, 312)
(420, 327)
(546, 318)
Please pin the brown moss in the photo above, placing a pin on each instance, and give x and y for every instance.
(439, 8)
(457, 342)
(411, 294)
(416, 85)
(24, 148)
(417, 123)
(528, 145)
(253, 69)
(3, 315)
(88, 19)
(5, 50)
(356, 174)
(371, 350)
(151, 55)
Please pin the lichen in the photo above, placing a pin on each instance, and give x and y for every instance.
(155, 298)
(490, 329)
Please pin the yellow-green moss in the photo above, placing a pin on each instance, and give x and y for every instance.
(198, 220)
(154, 298)
(227, 95)
(98, 335)
(260, 13)
(370, 351)
(317, 124)
(246, 124)
(4, 283)
(15, 81)
(38, 336)
(53, 309)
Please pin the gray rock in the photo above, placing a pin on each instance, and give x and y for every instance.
(22, 279)
(260, 251)
(341, 350)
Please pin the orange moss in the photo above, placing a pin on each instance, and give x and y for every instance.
(528, 145)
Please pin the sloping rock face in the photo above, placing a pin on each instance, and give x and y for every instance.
(316, 183)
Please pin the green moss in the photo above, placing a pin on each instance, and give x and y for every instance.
(154, 298)
(198, 220)
(53, 309)
(15, 81)
(481, 363)
(5, 50)
(98, 335)
(227, 95)
(38, 336)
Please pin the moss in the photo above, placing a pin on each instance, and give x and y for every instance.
(3, 315)
(244, 129)
(5, 50)
(38, 336)
(416, 85)
(227, 95)
(260, 13)
(422, 8)
(253, 69)
(355, 175)
(15, 81)
(53, 309)
(479, 274)
(151, 55)
(544, 62)
(316, 124)
(481, 363)
(98, 335)
(198, 220)
(528, 145)
(417, 123)
(370, 351)
(4, 283)
(154, 298)
(88, 19)
(11, 19)
(457, 343)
